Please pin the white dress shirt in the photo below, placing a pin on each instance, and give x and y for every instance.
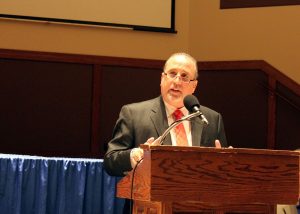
(187, 124)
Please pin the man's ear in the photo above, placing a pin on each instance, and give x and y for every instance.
(161, 78)
(195, 84)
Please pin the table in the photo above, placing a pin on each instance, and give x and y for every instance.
(38, 185)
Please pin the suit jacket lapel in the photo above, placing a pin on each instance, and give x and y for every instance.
(196, 129)
(159, 119)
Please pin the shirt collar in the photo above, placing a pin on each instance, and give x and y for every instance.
(170, 109)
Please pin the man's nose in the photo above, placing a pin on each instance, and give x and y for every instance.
(177, 78)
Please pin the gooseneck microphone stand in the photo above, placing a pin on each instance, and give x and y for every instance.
(176, 123)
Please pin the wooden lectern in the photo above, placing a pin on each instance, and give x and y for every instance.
(172, 179)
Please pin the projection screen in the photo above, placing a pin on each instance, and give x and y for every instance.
(152, 15)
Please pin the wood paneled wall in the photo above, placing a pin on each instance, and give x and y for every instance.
(66, 105)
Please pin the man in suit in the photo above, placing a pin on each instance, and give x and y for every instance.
(144, 122)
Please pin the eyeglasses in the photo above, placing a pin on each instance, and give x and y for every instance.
(184, 77)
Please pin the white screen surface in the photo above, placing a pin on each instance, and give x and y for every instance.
(129, 13)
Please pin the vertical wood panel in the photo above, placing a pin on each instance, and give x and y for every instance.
(287, 118)
(45, 107)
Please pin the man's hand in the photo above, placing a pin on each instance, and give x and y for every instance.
(137, 154)
(153, 142)
(218, 145)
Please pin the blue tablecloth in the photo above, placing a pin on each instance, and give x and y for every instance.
(40, 185)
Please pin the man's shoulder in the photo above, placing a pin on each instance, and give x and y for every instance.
(206, 110)
(143, 104)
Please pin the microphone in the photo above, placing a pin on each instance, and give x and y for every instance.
(192, 105)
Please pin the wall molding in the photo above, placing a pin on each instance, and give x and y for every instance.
(230, 4)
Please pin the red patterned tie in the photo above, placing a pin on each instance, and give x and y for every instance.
(181, 138)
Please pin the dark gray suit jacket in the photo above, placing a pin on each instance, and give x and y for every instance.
(139, 121)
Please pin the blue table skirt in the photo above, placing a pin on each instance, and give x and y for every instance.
(40, 185)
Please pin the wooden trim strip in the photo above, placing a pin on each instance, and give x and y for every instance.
(95, 138)
(78, 58)
(229, 4)
(271, 114)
